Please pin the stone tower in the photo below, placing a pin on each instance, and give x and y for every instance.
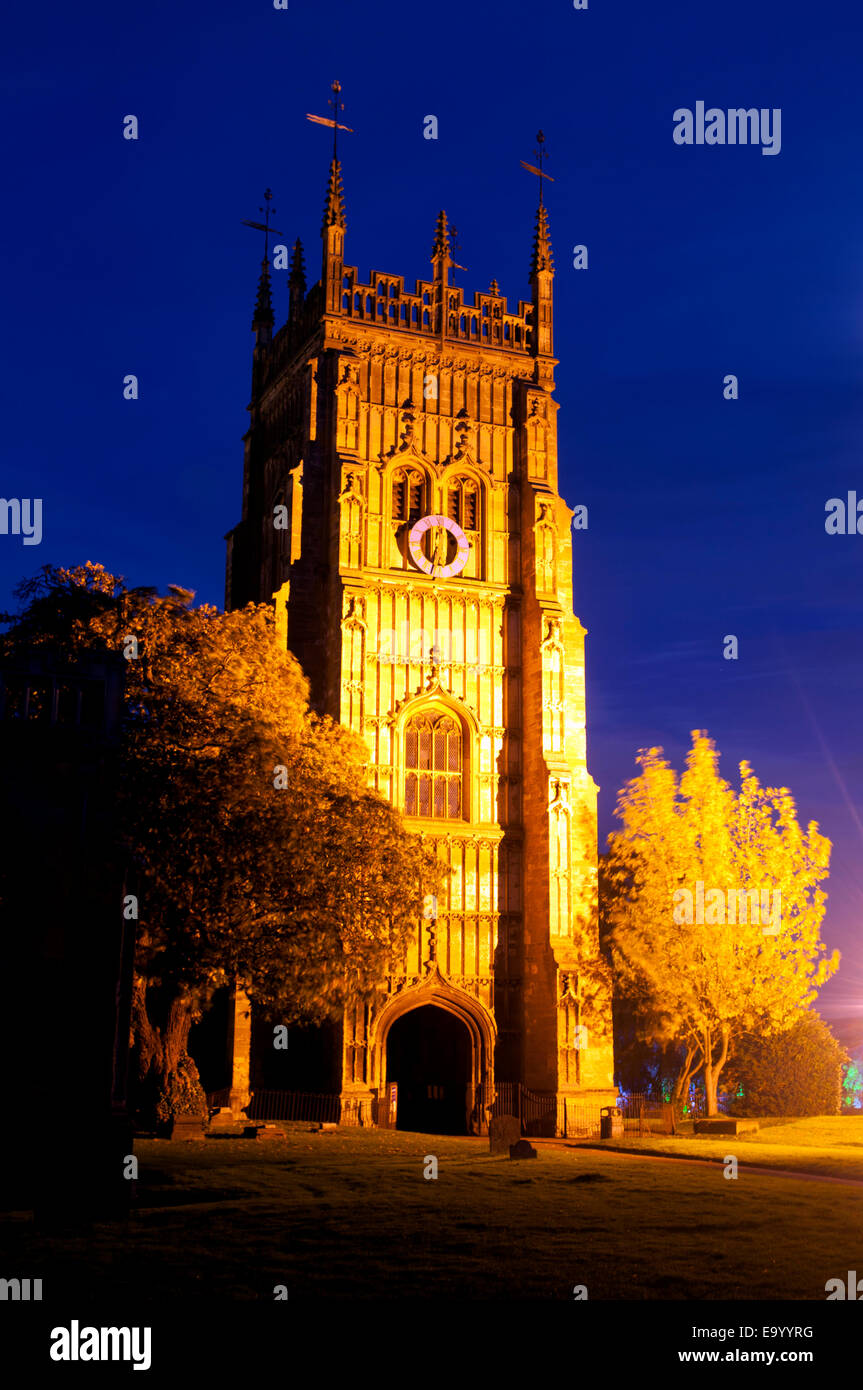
(401, 510)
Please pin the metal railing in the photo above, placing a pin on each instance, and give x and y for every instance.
(217, 1100)
(294, 1105)
(537, 1110)
(543, 1114)
(644, 1115)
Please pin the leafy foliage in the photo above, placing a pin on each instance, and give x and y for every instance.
(852, 1087)
(699, 984)
(261, 854)
(796, 1072)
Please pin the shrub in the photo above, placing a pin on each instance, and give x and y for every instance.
(798, 1072)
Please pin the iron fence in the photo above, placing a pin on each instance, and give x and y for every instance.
(695, 1105)
(507, 1098)
(537, 1110)
(580, 1119)
(538, 1113)
(294, 1105)
(645, 1114)
(542, 1114)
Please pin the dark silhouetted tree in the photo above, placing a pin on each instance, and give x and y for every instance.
(796, 1072)
(261, 855)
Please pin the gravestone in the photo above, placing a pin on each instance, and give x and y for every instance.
(522, 1150)
(188, 1127)
(263, 1131)
(503, 1132)
(223, 1119)
(271, 1132)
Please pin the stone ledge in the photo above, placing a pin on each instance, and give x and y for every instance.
(724, 1125)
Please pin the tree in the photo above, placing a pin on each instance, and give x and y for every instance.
(643, 1062)
(852, 1085)
(795, 1072)
(701, 961)
(261, 856)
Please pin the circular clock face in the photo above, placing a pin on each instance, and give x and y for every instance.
(437, 566)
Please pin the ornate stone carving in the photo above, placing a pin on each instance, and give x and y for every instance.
(559, 796)
(350, 374)
(354, 610)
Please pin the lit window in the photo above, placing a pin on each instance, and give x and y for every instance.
(434, 767)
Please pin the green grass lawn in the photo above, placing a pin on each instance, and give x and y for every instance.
(350, 1215)
(830, 1145)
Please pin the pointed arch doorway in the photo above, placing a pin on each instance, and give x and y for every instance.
(436, 1043)
(429, 1059)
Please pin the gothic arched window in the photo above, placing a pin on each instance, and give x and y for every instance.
(434, 767)
(408, 495)
(463, 504)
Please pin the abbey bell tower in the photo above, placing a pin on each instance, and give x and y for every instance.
(401, 510)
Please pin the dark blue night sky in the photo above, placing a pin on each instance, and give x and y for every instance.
(706, 515)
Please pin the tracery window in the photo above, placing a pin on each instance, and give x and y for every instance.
(408, 495)
(434, 767)
(463, 503)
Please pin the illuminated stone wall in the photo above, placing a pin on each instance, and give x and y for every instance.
(373, 406)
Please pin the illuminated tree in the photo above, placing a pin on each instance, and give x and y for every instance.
(260, 855)
(700, 982)
(852, 1087)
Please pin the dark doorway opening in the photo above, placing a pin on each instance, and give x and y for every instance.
(429, 1059)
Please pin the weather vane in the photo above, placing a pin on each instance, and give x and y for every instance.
(454, 243)
(540, 155)
(337, 106)
(265, 225)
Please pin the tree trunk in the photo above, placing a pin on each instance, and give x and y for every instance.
(681, 1085)
(168, 1083)
(713, 1068)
